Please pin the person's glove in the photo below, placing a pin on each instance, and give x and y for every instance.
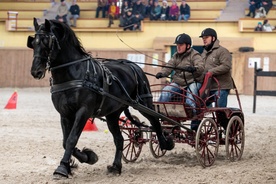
(159, 75)
(190, 69)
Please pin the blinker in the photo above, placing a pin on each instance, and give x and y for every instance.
(29, 42)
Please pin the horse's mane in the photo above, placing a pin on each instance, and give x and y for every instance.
(69, 38)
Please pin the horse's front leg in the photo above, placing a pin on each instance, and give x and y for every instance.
(72, 130)
(113, 126)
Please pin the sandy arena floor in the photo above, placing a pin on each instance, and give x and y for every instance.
(31, 148)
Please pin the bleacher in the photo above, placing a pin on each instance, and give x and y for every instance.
(201, 10)
(248, 24)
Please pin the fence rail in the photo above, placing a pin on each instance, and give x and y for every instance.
(259, 73)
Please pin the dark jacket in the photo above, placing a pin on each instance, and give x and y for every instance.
(185, 10)
(75, 9)
(218, 60)
(189, 58)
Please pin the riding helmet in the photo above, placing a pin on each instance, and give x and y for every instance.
(183, 38)
(208, 32)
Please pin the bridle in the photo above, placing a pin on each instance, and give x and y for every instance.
(51, 43)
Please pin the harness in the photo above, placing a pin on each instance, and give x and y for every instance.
(90, 82)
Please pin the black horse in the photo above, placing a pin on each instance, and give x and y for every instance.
(84, 87)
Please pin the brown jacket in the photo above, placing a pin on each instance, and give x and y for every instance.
(189, 58)
(218, 60)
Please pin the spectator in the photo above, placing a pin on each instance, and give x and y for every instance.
(129, 20)
(137, 21)
(190, 80)
(101, 7)
(218, 61)
(124, 9)
(184, 11)
(267, 27)
(165, 9)
(267, 5)
(253, 6)
(174, 10)
(148, 8)
(155, 13)
(74, 13)
(259, 27)
(139, 7)
(62, 12)
(113, 13)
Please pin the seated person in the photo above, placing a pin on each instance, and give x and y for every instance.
(267, 5)
(267, 27)
(62, 12)
(184, 11)
(165, 9)
(191, 81)
(113, 13)
(129, 20)
(137, 21)
(74, 13)
(259, 27)
(253, 6)
(174, 11)
(101, 7)
(155, 13)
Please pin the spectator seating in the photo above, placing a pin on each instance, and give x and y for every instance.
(201, 10)
(248, 24)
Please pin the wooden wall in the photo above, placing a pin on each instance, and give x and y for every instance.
(15, 66)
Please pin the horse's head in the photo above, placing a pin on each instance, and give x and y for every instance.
(46, 47)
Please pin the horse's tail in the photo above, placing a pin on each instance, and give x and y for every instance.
(132, 120)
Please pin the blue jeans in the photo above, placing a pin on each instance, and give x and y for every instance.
(192, 88)
(184, 17)
(222, 101)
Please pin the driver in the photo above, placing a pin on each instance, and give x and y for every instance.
(191, 79)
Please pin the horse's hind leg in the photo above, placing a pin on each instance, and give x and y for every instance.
(113, 126)
(166, 143)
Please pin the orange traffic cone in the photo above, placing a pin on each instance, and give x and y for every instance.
(12, 102)
(90, 125)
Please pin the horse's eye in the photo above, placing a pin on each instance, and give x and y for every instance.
(37, 41)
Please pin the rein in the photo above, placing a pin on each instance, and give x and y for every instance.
(68, 64)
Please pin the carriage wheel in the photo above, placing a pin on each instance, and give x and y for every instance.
(154, 146)
(207, 142)
(234, 139)
(132, 141)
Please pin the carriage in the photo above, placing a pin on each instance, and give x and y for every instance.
(220, 126)
(84, 87)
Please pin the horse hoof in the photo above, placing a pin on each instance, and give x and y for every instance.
(114, 169)
(91, 156)
(168, 144)
(61, 172)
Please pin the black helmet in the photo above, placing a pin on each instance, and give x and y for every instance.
(183, 38)
(208, 32)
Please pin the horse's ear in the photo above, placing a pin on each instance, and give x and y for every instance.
(35, 24)
(47, 25)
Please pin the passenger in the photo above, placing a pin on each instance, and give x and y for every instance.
(185, 56)
(218, 61)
